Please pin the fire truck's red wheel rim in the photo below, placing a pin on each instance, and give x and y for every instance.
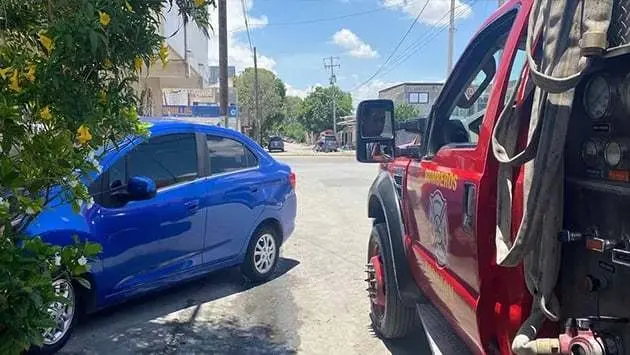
(376, 280)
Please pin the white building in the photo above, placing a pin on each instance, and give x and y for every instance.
(197, 43)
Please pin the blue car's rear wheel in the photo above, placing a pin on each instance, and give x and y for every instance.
(262, 255)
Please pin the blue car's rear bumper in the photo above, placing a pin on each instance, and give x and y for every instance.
(288, 214)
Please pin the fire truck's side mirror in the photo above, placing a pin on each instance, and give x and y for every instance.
(375, 133)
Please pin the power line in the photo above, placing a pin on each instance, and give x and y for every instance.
(325, 19)
(427, 39)
(423, 36)
(421, 42)
(395, 48)
(257, 122)
(249, 37)
(417, 45)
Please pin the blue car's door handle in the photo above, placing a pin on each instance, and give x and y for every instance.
(253, 188)
(192, 206)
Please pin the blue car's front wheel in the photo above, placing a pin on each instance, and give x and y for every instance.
(64, 314)
(262, 255)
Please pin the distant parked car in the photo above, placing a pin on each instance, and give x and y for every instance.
(275, 144)
(188, 200)
(329, 144)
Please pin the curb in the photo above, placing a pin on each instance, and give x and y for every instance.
(309, 154)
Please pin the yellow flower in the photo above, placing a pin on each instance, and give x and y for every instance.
(107, 63)
(14, 82)
(200, 3)
(164, 53)
(102, 96)
(128, 6)
(83, 134)
(45, 114)
(4, 72)
(130, 113)
(137, 63)
(30, 73)
(45, 41)
(104, 18)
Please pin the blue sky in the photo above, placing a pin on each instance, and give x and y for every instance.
(293, 36)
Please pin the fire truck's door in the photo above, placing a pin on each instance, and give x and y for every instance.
(443, 186)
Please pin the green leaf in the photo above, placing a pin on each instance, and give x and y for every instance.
(79, 270)
(68, 78)
(93, 42)
(36, 298)
(92, 249)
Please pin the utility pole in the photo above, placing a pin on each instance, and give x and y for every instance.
(451, 38)
(258, 121)
(329, 64)
(238, 111)
(223, 63)
(186, 58)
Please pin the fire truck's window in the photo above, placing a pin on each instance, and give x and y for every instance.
(470, 112)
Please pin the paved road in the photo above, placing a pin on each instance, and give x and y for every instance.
(315, 305)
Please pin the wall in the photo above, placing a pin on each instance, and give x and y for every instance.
(400, 94)
(159, 77)
(197, 42)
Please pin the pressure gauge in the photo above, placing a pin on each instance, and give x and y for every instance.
(592, 152)
(614, 153)
(598, 97)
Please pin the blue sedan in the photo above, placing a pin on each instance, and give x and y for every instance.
(188, 200)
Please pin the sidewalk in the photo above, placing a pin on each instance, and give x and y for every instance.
(297, 149)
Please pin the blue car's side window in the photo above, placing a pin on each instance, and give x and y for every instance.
(228, 155)
(168, 159)
(118, 173)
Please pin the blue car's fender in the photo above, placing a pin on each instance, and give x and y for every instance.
(59, 226)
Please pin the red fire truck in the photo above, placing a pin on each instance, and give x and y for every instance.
(510, 216)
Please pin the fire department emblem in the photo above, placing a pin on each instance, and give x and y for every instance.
(439, 222)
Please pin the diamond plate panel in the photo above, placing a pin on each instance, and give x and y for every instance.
(619, 31)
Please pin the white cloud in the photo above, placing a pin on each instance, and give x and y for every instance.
(239, 54)
(349, 41)
(369, 91)
(293, 91)
(435, 13)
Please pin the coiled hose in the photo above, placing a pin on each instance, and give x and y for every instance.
(570, 31)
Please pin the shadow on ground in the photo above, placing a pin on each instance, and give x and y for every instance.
(139, 328)
(415, 343)
(186, 337)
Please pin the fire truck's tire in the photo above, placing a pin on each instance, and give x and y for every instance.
(395, 319)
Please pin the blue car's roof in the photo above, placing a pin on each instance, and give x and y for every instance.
(158, 124)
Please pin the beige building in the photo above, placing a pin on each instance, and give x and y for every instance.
(187, 67)
(421, 95)
(155, 82)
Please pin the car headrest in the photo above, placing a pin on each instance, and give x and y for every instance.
(455, 132)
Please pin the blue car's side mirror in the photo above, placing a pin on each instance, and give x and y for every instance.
(140, 188)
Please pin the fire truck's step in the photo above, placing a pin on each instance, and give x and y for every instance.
(442, 337)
